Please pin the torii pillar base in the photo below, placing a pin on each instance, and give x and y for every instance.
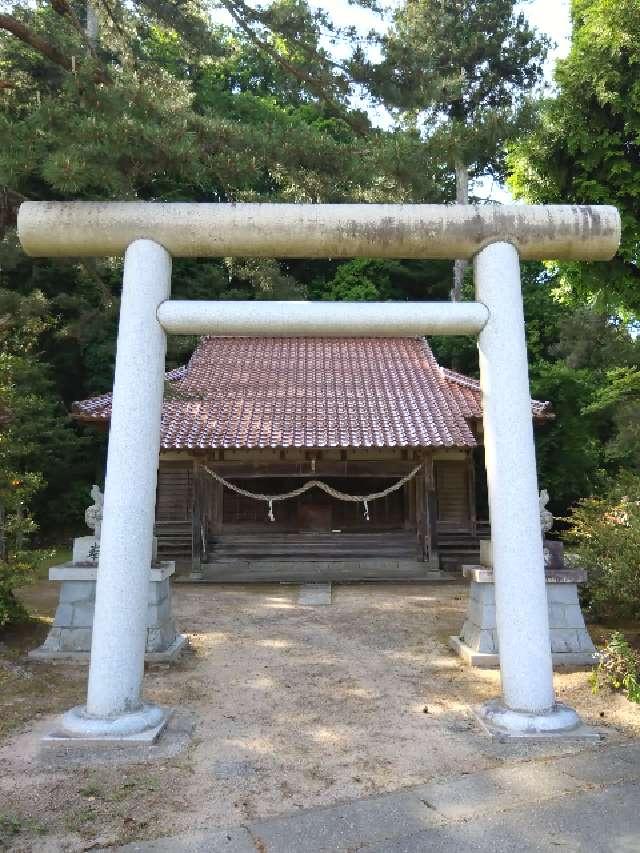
(503, 723)
(78, 728)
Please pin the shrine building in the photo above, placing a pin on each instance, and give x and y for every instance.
(248, 419)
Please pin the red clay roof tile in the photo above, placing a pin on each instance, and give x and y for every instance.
(310, 393)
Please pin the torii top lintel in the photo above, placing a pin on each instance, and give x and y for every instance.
(101, 229)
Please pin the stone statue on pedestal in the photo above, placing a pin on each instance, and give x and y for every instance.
(571, 644)
(546, 519)
(93, 513)
(70, 635)
(87, 548)
(553, 551)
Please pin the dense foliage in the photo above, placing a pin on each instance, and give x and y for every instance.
(461, 74)
(34, 437)
(18, 561)
(589, 370)
(586, 147)
(618, 668)
(606, 531)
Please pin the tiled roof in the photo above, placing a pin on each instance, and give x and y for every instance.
(467, 392)
(311, 392)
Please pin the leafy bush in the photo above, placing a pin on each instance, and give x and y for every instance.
(17, 570)
(17, 562)
(606, 531)
(619, 668)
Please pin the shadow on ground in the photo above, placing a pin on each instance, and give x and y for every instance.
(295, 707)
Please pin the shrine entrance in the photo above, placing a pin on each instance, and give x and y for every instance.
(149, 234)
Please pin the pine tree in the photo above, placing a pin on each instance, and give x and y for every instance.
(459, 73)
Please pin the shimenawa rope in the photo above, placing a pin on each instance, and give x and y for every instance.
(310, 484)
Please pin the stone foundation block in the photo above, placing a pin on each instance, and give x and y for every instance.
(64, 614)
(85, 549)
(481, 639)
(562, 593)
(564, 640)
(160, 637)
(571, 644)
(480, 613)
(74, 591)
(586, 643)
(158, 591)
(70, 636)
(65, 640)
(573, 616)
(483, 593)
(83, 614)
(159, 613)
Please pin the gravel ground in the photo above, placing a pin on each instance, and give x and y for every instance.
(294, 706)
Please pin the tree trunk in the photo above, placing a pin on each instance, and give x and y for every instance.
(462, 197)
(19, 531)
(3, 540)
(92, 25)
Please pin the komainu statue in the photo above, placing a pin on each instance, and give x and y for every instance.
(546, 519)
(93, 513)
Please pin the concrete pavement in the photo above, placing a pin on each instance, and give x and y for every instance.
(589, 801)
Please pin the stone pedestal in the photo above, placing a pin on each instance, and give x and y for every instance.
(85, 550)
(571, 644)
(70, 636)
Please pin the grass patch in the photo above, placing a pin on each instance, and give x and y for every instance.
(92, 791)
(59, 556)
(80, 819)
(12, 825)
(134, 786)
(40, 599)
(32, 690)
(29, 690)
(23, 699)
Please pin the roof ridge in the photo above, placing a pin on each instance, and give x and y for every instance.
(461, 378)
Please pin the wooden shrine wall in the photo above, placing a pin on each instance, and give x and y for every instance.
(454, 486)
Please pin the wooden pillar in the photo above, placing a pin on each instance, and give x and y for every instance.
(216, 507)
(471, 486)
(431, 512)
(426, 512)
(411, 508)
(196, 521)
(407, 517)
(420, 515)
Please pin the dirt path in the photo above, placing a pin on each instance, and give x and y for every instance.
(294, 706)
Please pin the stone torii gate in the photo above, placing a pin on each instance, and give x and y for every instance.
(150, 234)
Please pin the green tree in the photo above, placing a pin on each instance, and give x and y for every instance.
(367, 280)
(606, 531)
(159, 111)
(459, 73)
(150, 100)
(34, 435)
(586, 146)
(38, 445)
(569, 449)
(163, 105)
(588, 370)
(18, 561)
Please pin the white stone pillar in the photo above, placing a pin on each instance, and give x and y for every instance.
(122, 588)
(518, 561)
